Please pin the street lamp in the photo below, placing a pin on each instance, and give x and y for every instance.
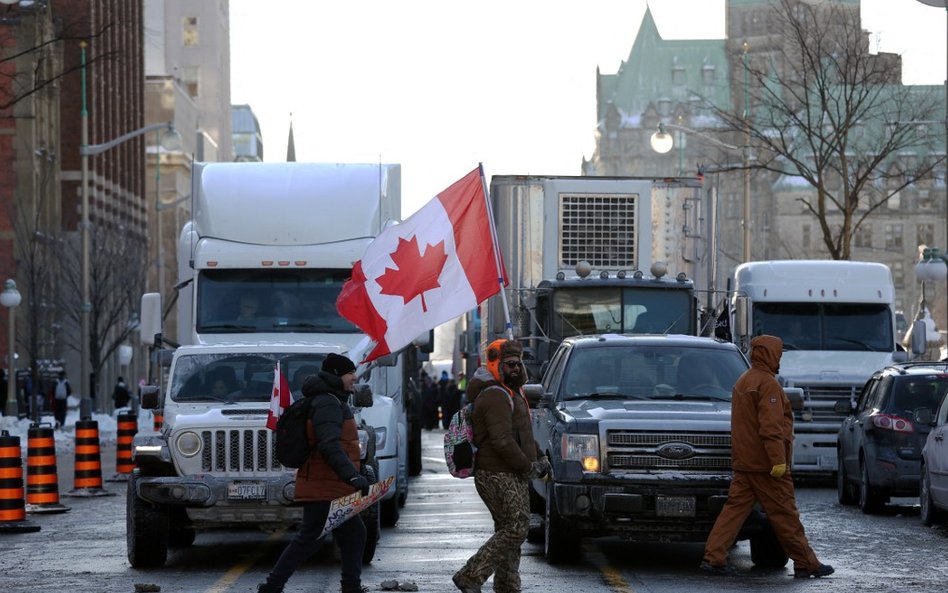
(171, 141)
(662, 142)
(10, 298)
(932, 267)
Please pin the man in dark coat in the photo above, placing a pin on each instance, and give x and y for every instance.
(507, 458)
(331, 471)
(761, 447)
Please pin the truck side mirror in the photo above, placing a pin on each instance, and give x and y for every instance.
(150, 317)
(362, 395)
(795, 395)
(533, 391)
(150, 397)
(741, 318)
(843, 406)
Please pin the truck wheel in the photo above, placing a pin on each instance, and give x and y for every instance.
(844, 490)
(146, 530)
(766, 551)
(373, 531)
(561, 543)
(928, 513)
(871, 500)
(390, 511)
(414, 449)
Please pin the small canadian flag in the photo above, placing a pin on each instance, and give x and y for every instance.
(280, 399)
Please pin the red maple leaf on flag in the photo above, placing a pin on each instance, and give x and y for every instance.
(416, 272)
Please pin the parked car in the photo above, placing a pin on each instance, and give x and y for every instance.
(880, 442)
(934, 488)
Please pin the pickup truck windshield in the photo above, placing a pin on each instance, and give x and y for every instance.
(651, 373)
(273, 300)
(230, 378)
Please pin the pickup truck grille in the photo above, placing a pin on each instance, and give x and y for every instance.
(643, 450)
(239, 450)
(819, 401)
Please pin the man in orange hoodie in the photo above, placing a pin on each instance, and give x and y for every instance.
(761, 446)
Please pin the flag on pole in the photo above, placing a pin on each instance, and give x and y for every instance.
(280, 399)
(438, 264)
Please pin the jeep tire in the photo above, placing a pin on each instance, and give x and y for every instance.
(146, 529)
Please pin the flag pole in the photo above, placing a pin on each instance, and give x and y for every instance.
(508, 326)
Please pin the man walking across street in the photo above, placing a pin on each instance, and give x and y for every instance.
(761, 446)
(507, 457)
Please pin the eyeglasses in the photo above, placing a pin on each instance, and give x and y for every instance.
(512, 364)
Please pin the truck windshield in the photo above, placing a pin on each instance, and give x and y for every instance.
(280, 300)
(652, 372)
(820, 326)
(238, 377)
(595, 310)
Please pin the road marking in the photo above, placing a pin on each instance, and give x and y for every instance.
(612, 576)
(230, 577)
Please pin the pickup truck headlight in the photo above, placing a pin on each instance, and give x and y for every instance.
(583, 448)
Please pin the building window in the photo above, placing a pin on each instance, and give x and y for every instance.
(191, 80)
(664, 106)
(898, 274)
(805, 235)
(678, 76)
(924, 200)
(894, 202)
(893, 237)
(863, 236)
(707, 75)
(732, 205)
(925, 233)
(189, 31)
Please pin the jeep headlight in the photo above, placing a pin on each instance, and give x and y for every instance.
(188, 443)
(583, 448)
(380, 434)
(363, 443)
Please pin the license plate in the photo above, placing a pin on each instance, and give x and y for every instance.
(675, 506)
(247, 490)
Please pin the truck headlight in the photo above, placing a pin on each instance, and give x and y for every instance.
(363, 443)
(188, 443)
(583, 448)
(380, 434)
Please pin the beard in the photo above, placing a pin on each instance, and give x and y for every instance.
(515, 379)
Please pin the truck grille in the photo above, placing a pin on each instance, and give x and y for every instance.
(642, 450)
(819, 401)
(239, 450)
(599, 229)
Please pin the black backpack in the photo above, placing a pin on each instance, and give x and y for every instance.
(292, 446)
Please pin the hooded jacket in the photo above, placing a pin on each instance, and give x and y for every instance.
(332, 428)
(761, 417)
(502, 431)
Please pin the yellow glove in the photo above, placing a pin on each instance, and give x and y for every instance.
(778, 470)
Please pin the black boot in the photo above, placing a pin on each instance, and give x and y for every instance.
(354, 589)
(269, 587)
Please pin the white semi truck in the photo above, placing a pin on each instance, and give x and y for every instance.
(837, 322)
(260, 266)
(588, 255)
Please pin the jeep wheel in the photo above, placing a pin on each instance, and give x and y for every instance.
(928, 513)
(766, 551)
(871, 500)
(561, 543)
(146, 530)
(390, 511)
(844, 490)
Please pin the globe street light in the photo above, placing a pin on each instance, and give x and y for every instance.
(171, 141)
(662, 142)
(10, 298)
(932, 267)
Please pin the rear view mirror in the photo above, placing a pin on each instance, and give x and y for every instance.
(150, 395)
(924, 416)
(843, 406)
(362, 395)
(533, 391)
(795, 395)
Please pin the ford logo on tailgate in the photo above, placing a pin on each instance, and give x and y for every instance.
(675, 451)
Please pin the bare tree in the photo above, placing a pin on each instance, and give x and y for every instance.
(820, 107)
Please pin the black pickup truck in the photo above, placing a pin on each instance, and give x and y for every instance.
(638, 432)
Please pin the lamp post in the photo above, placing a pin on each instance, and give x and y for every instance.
(85, 151)
(10, 298)
(662, 142)
(933, 267)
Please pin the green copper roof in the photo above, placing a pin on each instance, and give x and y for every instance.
(659, 69)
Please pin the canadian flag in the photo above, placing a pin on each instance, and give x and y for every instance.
(438, 264)
(280, 399)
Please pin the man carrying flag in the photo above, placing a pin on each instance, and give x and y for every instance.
(438, 264)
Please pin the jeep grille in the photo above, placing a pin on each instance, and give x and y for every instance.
(642, 450)
(239, 450)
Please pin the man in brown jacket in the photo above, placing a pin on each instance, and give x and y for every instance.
(761, 446)
(507, 458)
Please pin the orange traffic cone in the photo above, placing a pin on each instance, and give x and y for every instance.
(88, 474)
(12, 509)
(42, 481)
(127, 427)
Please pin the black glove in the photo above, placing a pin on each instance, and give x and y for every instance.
(539, 468)
(360, 483)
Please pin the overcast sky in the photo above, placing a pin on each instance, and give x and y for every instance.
(440, 86)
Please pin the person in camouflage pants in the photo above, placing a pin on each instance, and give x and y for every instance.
(507, 458)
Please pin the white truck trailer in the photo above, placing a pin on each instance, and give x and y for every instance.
(837, 322)
(587, 255)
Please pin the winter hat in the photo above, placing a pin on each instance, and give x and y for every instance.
(338, 365)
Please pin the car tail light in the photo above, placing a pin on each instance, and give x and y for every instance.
(890, 422)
